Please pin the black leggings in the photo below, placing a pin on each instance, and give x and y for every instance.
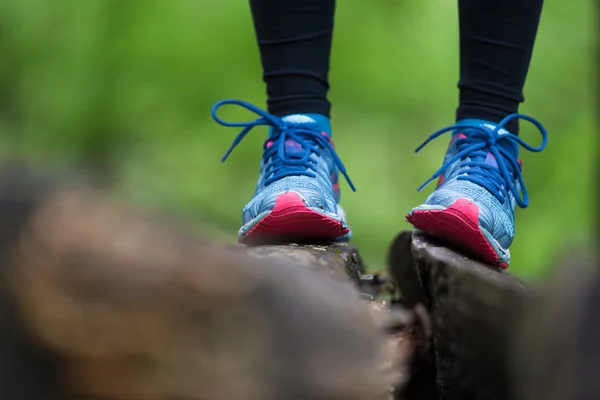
(496, 42)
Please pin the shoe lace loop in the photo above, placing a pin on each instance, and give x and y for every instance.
(279, 162)
(475, 147)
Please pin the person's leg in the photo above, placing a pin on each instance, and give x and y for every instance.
(294, 38)
(480, 181)
(496, 43)
(297, 193)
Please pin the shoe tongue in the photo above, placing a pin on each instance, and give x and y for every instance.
(491, 160)
(511, 147)
(292, 148)
(299, 119)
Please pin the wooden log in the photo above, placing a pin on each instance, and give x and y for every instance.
(340, 261)
(556, 353)
(130, 307)
(401, 268)
(28, 370)
(473, 308)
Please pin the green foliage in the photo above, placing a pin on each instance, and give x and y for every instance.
(128, 86)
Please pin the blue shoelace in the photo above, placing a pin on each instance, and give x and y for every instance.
(281, 164)
(474, 149)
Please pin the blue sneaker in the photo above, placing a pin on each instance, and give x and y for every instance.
(297, 195)
(479, 185)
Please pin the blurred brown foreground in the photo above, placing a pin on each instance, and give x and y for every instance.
(101, 301)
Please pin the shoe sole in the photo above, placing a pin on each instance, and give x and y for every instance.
(458, 225)
(291, 220)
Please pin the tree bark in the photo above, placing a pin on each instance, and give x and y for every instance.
(339, 261)
(473, 308)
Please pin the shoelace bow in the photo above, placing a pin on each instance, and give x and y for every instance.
(473, 150)
(280, 163)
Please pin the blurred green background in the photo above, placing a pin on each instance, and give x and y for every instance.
(127, 87)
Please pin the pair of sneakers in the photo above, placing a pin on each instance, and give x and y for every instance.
(297, 195)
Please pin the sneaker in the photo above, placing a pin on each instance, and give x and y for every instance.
(297, 195)
(479, 185)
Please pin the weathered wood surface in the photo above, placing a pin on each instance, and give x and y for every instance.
(493, 337)
(556, 352)
(473, 308)
(108, 304)
(340, 261)
(99, 301)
